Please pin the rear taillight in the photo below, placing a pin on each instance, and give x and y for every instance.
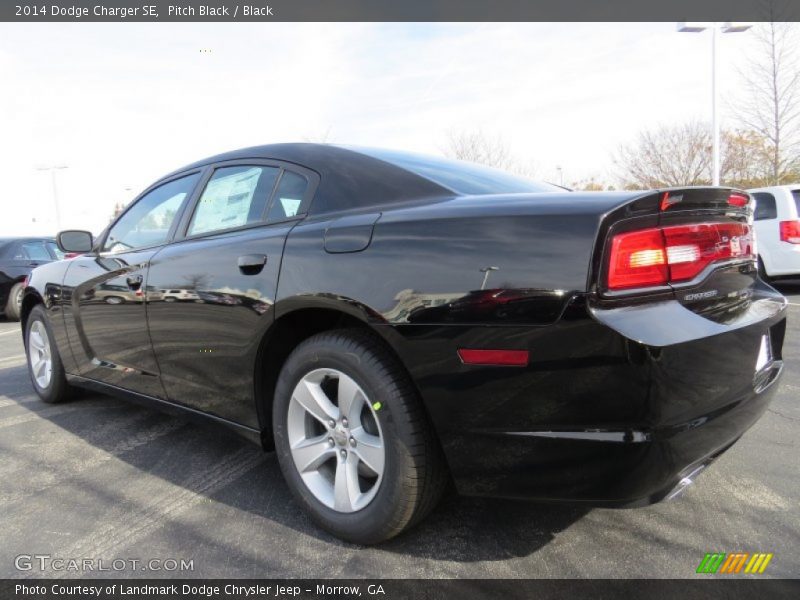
(638, 260)
(790, 232)
(661, 255)
(736, 199)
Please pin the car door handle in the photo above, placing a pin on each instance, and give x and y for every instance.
(134, 282)
(251, 264)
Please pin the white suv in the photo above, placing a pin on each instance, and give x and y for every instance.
(777, 223)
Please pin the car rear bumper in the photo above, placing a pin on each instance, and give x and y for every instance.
(597, 416)
(782, 259)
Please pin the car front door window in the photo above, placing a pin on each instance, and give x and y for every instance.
(148, 222)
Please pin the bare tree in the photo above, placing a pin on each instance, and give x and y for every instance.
(475, 146)
(771, 107)
(319, 137)
(667, 156)
(746, 159)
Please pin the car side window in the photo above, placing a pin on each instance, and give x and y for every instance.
(148, 222)
(35, 251)
(765, 206)
(234, 197)
(288, 197)
(55, 250)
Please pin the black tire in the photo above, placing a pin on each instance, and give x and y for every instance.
(14, 302)
(58, 389)
(415, 474)
(762, 271)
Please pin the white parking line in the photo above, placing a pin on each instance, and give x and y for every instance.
(17, 331)
(11, 358)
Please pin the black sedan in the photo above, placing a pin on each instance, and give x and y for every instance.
(390, 323)
(18, 257)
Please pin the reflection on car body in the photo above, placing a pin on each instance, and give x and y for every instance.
(388, 323)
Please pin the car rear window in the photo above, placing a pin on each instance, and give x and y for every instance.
(460, 176)
(796, 196)
(765, 206)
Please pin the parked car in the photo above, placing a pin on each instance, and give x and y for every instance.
(18, 257)
(777, 225)
(390, 323)
(180, 295)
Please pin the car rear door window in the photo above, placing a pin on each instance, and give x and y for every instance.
(36, 251)
(234, 197)
(148, 222)
(796, 196)
(288, 197)
(765, 206)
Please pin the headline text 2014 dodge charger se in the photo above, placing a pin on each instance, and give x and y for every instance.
(391, 323)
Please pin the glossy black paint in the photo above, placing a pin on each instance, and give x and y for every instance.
(623, 396)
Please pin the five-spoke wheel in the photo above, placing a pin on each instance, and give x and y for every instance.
(40, 354)
(352, 438)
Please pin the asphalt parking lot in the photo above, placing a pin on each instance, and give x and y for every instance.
(103, 479)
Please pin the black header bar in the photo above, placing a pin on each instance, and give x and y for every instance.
(397, 10)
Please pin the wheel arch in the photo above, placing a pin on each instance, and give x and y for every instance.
(29, 300)
(296, 320)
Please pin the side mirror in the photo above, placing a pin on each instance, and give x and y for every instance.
(75, 241)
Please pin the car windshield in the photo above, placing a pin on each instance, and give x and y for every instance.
(460, 176)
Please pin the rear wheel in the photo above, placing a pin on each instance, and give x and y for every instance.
(14, 302)
(762, 271)
(44, 363)
(352, 439)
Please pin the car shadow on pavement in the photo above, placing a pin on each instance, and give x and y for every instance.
(179, 453)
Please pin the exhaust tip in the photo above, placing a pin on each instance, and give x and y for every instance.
(686, 481)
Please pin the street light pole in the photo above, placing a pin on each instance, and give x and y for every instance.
(52, 169)
(486, 271)
(715, 30)
(714, 102)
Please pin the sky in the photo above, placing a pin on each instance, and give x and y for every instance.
(121, 104)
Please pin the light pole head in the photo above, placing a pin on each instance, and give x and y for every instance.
(692, 26)
(731, 27)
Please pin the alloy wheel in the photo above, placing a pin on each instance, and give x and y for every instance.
(335, 439)
(39, 354)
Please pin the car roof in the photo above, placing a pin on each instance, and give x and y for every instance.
(789, 186)
(9, 238)
(351, 179)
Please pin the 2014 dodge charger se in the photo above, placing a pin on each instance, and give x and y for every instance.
(390, 323)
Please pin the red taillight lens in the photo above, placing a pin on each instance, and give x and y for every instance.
(790, 232)
(691, 248)
(661, 255)
(637, 260)
(738, 199)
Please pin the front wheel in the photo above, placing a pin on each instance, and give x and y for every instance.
(14, 302)
(44, 363)
(352, 439)
(762, 271)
